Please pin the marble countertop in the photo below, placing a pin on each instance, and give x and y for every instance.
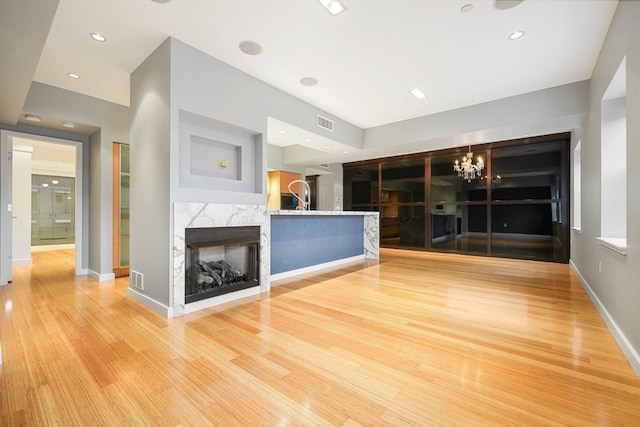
(322, 213)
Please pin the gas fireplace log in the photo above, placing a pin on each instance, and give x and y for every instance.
(209, 277)
(205, 279)
(213, 274)
(225, 268)
(206, 267)
(229, 268)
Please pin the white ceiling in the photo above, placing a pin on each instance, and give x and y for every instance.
(366, 59)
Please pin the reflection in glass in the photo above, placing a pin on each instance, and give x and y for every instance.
(447, 186)
(52, 210)
(124, 205)
(526, 230)
(361, 186)
(403, 182)
(526, 219)
(459, 228)
(404, 227)
(402, 204)
(515, 211)
(527, 172)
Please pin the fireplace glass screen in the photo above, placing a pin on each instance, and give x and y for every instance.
(220, 260)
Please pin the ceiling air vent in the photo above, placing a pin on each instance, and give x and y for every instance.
(325, 123)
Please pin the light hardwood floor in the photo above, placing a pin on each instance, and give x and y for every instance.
(416, 339)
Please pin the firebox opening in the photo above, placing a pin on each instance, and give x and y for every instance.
(221, 260)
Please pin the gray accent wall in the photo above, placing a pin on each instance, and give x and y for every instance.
(150, 199)
(175, 80)
(616, 289)
(112, 122)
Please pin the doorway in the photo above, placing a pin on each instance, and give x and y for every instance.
(58, 215)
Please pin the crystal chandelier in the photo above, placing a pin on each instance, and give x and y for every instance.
(467, 170)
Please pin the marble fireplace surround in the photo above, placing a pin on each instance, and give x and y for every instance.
(196, 215)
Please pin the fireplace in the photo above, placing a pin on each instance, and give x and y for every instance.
(221, 260)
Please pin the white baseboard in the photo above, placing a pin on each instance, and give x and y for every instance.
(627, 349)
(101, 277)
(150, 303)
(52, 247)
(292, 273)
(22, 261)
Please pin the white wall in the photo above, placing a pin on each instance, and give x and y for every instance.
(613, 170)
(21, 224)
(275, 161)
(613, 278)
(325, 193)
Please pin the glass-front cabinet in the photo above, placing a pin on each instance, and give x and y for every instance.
(120, 209)
(517, 207)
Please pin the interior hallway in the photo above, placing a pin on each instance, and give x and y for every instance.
(414, 339)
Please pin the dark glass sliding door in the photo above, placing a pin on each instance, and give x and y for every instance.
(528, 216)
(517, 208)
(458, 208)
(402, 214)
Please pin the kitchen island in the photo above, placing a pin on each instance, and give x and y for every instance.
(303, 241)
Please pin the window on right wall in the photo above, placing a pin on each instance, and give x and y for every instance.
(613, 157)
(577, 187)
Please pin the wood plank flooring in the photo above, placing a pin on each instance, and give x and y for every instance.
(416, 339)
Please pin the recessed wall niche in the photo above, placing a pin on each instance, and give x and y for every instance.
(215, 155)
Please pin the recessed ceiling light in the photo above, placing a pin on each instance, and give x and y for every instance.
(327, 146)
(98, 37)
(307, 140)
(73, 75)
(32, 118)
(68, 124)
(250, 47)
(466, 8)
(54, 181)
(334, 7)
(344, 152)
(516, 35)
(283, 131)
(45, 185)
(417, 93)
(308, 81)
